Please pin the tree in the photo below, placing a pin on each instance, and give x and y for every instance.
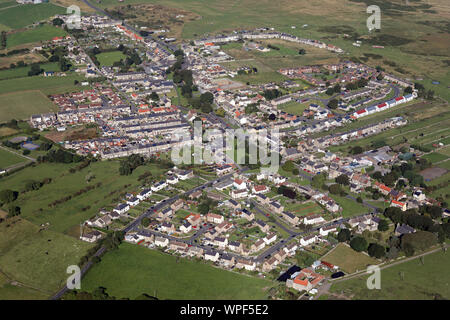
(358, 244)
(207, 97)
(35, 70)
(376, 250)
(318, 180)
(154, 96)
(8, 196)
(344, 235)
(417, 241)
(335, 189)
(332, 104)
(343, 179)
(58, 22)
(357, 150)
(13, 211)
(288, 166)
(302, 51)
(329, 91)
(383, 225)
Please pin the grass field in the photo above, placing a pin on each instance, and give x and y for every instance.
(23, 71)
(108, 58)
(21, 16)
(435, 157)
(47, 85)
(294, 107)
(67, 216)
(21, 105)
(37, 258)
(38, 34)
(133, 270)
(350, 208)
(8, 159)
(348, 259)
(421, 282)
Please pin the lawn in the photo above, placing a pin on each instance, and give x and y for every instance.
(8, 159)
(66, 216)
(350, 208)
(420, 282)
(108, 58)
(293, 107)
(348, 259)
(21, 105)
(24, 15)
(132, 270)
(37, 258)
(304, 209)
(41, 33)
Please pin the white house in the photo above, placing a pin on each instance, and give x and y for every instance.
(239, 184)
(211, 256)
(159, 186)
(306, 241)
(134, 201)
(122, 208)
(144, 194)
(269, 238)
(186, 227)
(161, 242)
(314, 219)
(324, 231)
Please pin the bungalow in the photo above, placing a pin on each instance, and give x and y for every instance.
(132, 237)
(324, 231)
(122, 208)
(211, 255)
(419, 195)
(403, 229)
(144, 194)
(305, 280)
(313, 219)
(223, 170)
(291, 218)
(306, 241)
(161, 242)
(159, 186)
(133, 201)
(224, 185)
(91, 236)
(102, 222)
(214, 218)
(269, 238)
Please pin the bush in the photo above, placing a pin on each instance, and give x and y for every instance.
(358, 244)
(376, 250)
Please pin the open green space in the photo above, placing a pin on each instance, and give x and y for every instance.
(23, 71)
(108, 58)
(435, 157)
(410, 280)
(47, 85)
(348, 259)
(38, 34)
(21, 105)
(24, 15)
(8, 159)
(132, 270)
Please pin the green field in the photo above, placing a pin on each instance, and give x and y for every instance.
(21, 105)
(348, 259)
(435, 157)
(108, 58)
(67, 216)
(8, 159)
(23, 71)
(41, 33)
(24, 15)
(294, 107)
(420, 282)
(133, 270)
(38, 259)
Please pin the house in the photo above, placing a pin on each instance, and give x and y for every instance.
(269, 238)
(227, 260)
(186, 227)
(262, 199)
(122, 208)
(161, 242)
(264, 227)
(220, 171)
(165, 213)
(382, 188)
(305, 280)
(214, 218)
(211, 255)
(313, 219)
(223, 227)
(102, 222)
(134, 201)
(239, 194)
(144, 194)
(186, 174)
(306, 241)
(398, 204)
(246, 264)
(290, 217)
(195, 251)
(221, 242)
(403, 229)
(419, 195)
(270, 264)
(133, 238)
(280, 255)
(239, 184)
(259, 189)
(258, 245)
(146, 236)
(324, 231)
(159, 186)
(172, 180)
(91, 236)
(178, 246)
(167, 227)
(194, 219)
(224, 185)
(276, 207)
(234, 204)
(195, 195)
(249, 216)
(235, 246)
(177, 205)
(291, 249)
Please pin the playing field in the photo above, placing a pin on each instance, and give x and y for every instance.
(108, 58)
(37, 34)
(133, 270)
(8, 159)
(405, 281)
(21, 105)
(20, 16)
(348, 259)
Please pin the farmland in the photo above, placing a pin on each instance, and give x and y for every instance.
(23, 71)
(426, 281)
(132, 270)
(34, 35)
(21, 105)
(8, 159)
(47, 85)
(21, 16)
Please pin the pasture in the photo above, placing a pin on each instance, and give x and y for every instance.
(426, 281)
(8, 159)
(22, 72)
(21, 16)
(132, 270)
(34, 35)
(348, 259)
